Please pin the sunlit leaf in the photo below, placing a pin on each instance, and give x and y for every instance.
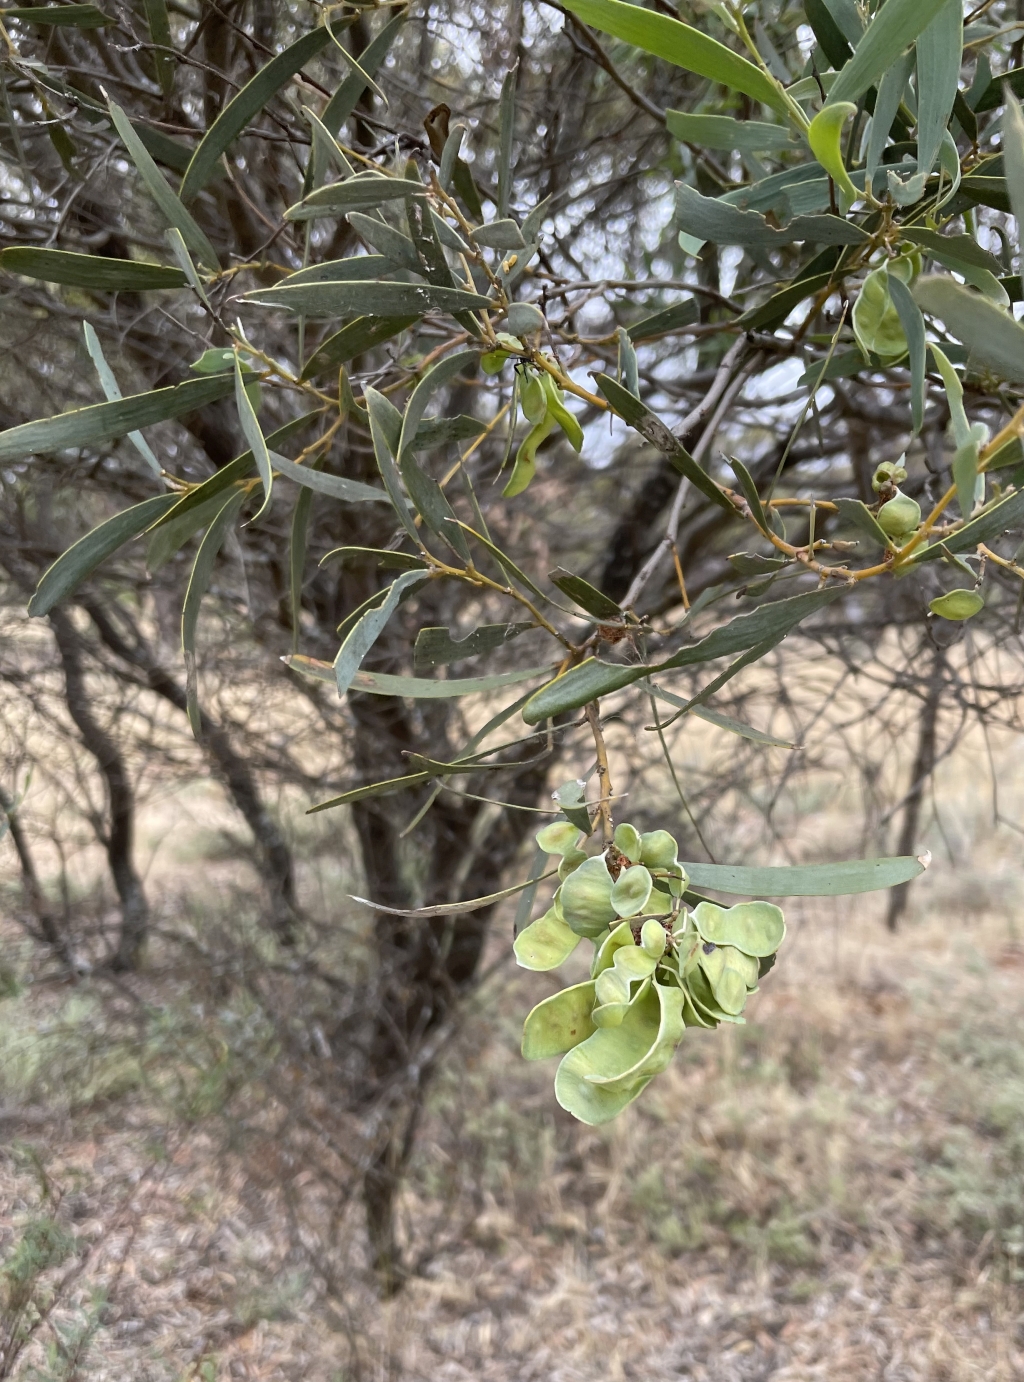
(681, 45)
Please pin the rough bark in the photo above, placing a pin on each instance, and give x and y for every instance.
(924, 763)
(118, 835)
(277, 867)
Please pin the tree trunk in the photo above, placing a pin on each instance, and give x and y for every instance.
(277, 867)
(118, 838)
(924, 763)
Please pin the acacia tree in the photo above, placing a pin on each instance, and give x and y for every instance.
(387, 321)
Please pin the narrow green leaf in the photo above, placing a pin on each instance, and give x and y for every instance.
(723, 132)
(390, 244)
(159, 25)
(939, 55)
(297, 546)
(962, 248)
(171, 207)
(104, 421)
(728, 722)
(376, 299)
(895, 26)
(364, 192)
(375, 556)
(992, 335)
(681, 45)
(385, 429)
(170, 535)
(439, 431)
(587, 596)
(253, 434)
(112, 389)
(887, 103)
(511, 570)
(652, 429)
(65, 16)
(337, 486)
(417, 688)
(365, 633)
(1013, 161)
(235, 469)
(856, 512)
(233, 119)
(500, 235)
(913, 328)
(778, 307)
(80, 560)
(358, 336)
(198, 584)
(357, 268)
(750, 494)
(444, 909)
(808, 880)
(661, 323)
(991, 523)
(711, 218)
(592, 679)
(388, 787)
(93, 271)
(506, 133)
(346, 98)
(834, 43)
(435, 646)
(179, 249)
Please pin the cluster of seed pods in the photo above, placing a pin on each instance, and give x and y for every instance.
(658, 967)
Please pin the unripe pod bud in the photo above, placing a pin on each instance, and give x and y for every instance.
(524, 319)
(901, 515)
(957, 604)
(652, 938)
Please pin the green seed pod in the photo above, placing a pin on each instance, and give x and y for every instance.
(900, 516)
(658, 850)
(524, 319)
(609, 1014)
(631, 891)
(557, 838)
(492, 361)
(652, 938)
(585, 898)
(627, 842)
(611, 987)
(533, 399)
(957, 604)
(571, 860)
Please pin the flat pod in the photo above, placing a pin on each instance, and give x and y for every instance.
(598, 1078)
(545, 943)
(557, 838)
(653, 938)
(658, 850)
(631, 890)
(559, 1023)
(604, 956)
(704, 999)
(726, 979)
(627, 841)
(586, 898)
(755, 928)
(957, 604)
